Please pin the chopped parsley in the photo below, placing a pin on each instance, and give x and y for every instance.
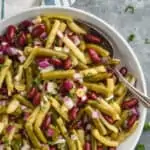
(147, 126)
(130, 9)
(36, 81)
(131, 37)
(147, 41)
(140, 147)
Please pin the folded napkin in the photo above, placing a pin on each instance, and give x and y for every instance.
(11, 7)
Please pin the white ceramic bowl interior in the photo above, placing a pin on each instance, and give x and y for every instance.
(124, 52)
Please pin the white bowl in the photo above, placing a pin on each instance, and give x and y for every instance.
(125, 53)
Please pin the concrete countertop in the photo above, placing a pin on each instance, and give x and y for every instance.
(137, 23)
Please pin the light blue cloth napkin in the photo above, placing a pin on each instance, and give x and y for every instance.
(10, 7)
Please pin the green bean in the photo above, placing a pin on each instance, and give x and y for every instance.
(81, 136)
(47, 23)
(98, 77)
(29, 39)
(4, 70)
(41, 115)
(50, 53)
(93, 71)
(82, 45)
(52, 75)
(62, 127)
(78, 142)
(103, 139)
(74, 60)
(2, 125)
(32, 137)
(71, 143)
(96, 121)
(75, 28)
(33, 116)
(62, 27)
(82, 66)
(52, 34)
(12, 106)
(120, 99)
(97, 88)
(2, 109)
(93, 143)
(9, 83)
(29, 78)
(23, 101)
(57, 107)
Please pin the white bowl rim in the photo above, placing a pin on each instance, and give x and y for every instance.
(114, 31)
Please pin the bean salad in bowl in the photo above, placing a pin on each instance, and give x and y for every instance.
(58, 90)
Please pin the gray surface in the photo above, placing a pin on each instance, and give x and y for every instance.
(138, 23)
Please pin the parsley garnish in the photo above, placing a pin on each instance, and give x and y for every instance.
(147, 126)
(131, 37)
(140, 147)
(130, 9)
(36, 81)
(147, 41)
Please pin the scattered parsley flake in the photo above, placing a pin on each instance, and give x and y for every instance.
(147, 126)
(147, 41)
(131, 37)
(140, 147)
(130, 9)
(36, 81)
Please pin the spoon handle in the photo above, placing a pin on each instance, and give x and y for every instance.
(143, 98)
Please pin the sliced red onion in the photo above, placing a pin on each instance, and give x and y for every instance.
(43, 63)
(43, 36)
(75, 39)
(135, 111)
(78, 77)
(9, 128)
(74, 137)
(47, 69)
(21, 58)
(25, 147)
(50, 132)
(88, 127)
(51, 87)
(30, 28)
(66, 49)
(104, 60)
(59, 34)
(68, 102)
(85, 119)
(84, 98)
(23, 107)
(2, 103)
(95, 114)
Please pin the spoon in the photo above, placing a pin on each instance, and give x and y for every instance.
(141, 96)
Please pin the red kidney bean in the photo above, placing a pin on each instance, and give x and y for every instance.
(67, 63)
(131, 121)
(38, 30)
(112, 148)
(123, 71)
(73, 113)
(2, 59)
(10, 33)
(109, 119)
(92, 38)
(25, 24)
(32, 93)
(67, 85)
(46, 122)
(56, 62)
(22, 39)
(92, 95)
(37, 99)
(87, 146)
(9, 128)
(52, 148)
(130, 103)
(93, 55)
(100, 148)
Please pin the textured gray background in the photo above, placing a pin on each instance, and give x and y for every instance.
(126, 23)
